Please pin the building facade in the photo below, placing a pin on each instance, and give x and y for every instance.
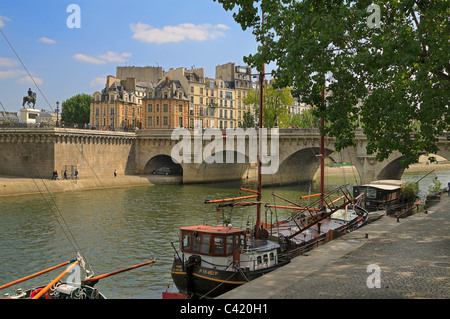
(238, 80)
(148, 98)
(165, 106)
(118, 105)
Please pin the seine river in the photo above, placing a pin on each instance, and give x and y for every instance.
(121, 227)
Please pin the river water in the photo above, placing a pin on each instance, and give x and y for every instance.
(121, 227)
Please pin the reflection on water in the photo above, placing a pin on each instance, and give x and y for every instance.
(120, 227)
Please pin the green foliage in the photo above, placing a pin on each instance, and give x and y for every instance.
(76, 109)
(275, 106)
(410, 190)
(306, 119)
(435, 187)
(399, 73)
(248, 120)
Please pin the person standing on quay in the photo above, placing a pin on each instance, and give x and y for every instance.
(115, 173)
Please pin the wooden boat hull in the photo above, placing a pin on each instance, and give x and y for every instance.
(62, 291)
(204, 282)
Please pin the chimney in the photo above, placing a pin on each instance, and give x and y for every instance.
(167, 81)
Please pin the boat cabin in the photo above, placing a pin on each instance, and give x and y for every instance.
(222, 246)
(379, 194)
(218, 245)
(212, 240)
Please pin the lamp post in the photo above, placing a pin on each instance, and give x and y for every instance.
(57, 114)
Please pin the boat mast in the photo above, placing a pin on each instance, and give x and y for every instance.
(322, 154)
(261, 99)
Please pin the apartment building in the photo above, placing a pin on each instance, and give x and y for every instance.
(238, 80)
(148, 97)
(166, 106)
(119, 104)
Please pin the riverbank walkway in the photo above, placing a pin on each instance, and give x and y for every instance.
(405, 259)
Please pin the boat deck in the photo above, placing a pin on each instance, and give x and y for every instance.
(310, 233)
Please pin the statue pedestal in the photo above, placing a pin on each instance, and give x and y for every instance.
(29, 116)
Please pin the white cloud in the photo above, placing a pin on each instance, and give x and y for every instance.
(88, 59)
(8, 62)
(27, 80)
(46, 40)
(103, 58)
(185, 31)
(115, 57)
(10, 74)
(2, 20)
(98, 81)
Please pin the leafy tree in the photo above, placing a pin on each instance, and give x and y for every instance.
(409, 191)
(306, 119)
(248, 120)
(275, 106)
(398, 70)
(76, 109)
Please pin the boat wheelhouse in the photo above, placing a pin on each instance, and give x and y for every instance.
(216, 259)
(386, 195)
(381, 194)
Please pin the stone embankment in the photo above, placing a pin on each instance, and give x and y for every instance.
(10, 185)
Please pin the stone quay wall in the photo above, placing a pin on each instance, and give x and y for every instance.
(37, 152)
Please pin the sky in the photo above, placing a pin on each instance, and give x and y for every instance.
(69, 47)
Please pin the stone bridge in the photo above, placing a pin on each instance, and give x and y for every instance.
(36, 152)
(299, 157)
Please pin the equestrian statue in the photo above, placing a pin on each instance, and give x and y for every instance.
(29, 99)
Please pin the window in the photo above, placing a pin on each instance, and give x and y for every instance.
(165, 95)
(150, 121)
(111, 110)
(192, 89)
(157, 107)
(165, 121)
(196, 242)
(201, 100)
(150, 107)
(180, 121)
(206, 239)
(228, 95)
(201, 90)
(229, 244)
(187, 241)
(97, 111)
(165, 108)
(219, 245)
(180, 108)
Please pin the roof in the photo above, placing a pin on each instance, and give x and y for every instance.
(388, 184)
(213, 229)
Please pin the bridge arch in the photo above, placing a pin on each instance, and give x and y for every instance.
(162, 160)
(298, 167)
(393, 170)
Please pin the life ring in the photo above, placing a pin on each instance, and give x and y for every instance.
(37, 290)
